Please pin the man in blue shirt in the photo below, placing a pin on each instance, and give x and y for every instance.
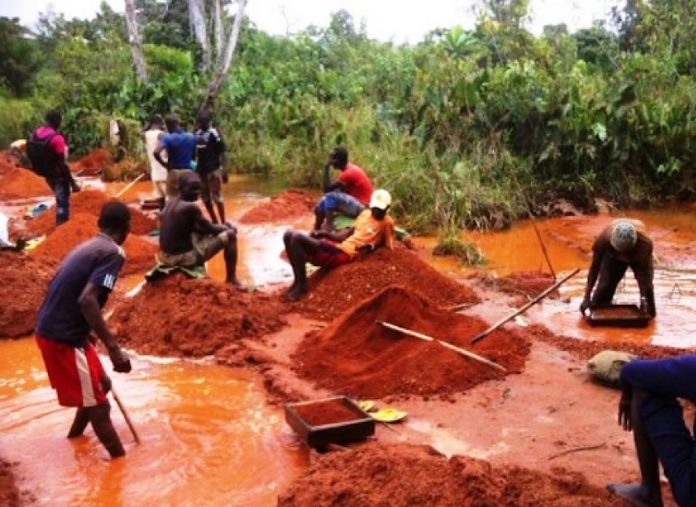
(649, 407)
(70, 312)
(180, 147)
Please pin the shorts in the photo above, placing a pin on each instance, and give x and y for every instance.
(329, 256)
(204, 248)
(340, 202)
(74, 372)
(211, 186)
(173, 179)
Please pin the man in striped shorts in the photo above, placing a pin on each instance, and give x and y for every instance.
(70, 312)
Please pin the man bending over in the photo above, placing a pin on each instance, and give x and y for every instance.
(372, 229)
(188, 239)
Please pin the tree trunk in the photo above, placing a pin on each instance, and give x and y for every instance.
(136, 43)
(219, 31)
(221, 73)
(197, 19)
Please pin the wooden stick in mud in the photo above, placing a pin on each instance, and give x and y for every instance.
(445, 344)
(460, 306)
(541, 242)
(526, 307)
(130, 185)
(125, 415)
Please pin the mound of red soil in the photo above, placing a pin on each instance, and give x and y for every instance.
(9, 494)
(19, 183)
(333, 292)
(24, 283)
(183, 317)
(361, 358)
(93, 163)
(404, 475)
(89, 202)
(522, 283)
(140, 253)
(289, 204)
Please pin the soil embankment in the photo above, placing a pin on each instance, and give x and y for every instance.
(519, 283)
(401, 475)
(140, 253)
(24, 282)
(93, 163)
(359, 357)
(178, 316)
(333, 292)
(19, 183)
(287, 205)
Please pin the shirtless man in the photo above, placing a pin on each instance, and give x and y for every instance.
(188, 239)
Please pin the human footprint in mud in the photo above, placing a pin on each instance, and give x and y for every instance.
(70, 312)
(649, 407)
(621, 244)
(373, 228)
(188, 239)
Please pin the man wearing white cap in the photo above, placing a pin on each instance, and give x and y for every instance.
(621, 244)
(373, 228)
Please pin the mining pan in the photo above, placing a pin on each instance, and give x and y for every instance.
(329, 421)
(618, 316)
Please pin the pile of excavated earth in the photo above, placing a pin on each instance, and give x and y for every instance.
(19, 183)
(287, 205)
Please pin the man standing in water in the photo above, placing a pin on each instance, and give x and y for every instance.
(187, 239)
(649, 408)
(373, 229)
(350, 194)
(621, 244)
(210, 149)
(70, 312)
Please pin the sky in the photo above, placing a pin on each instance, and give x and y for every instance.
(395, 20)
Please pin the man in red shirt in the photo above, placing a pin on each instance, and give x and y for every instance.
(349, 195)
(48, 152)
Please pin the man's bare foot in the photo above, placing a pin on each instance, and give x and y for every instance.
(235, 282)
(296, 292)
(635, 494)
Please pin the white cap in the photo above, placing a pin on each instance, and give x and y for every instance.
(381, 199)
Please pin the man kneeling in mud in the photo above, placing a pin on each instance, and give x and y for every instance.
(188, 239)
(372, 229)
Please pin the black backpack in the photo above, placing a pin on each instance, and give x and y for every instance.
(43, 159)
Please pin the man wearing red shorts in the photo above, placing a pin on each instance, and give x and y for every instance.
(70, 311)
(372, 229)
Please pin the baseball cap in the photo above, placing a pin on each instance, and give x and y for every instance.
(623, 236)
(380, 199)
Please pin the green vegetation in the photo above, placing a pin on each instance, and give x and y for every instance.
(451, 244)
(464, 128)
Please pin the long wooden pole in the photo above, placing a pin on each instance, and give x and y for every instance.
(128, 187)
(541, 242)
(125, 415)
(445, 344)
(534, 301)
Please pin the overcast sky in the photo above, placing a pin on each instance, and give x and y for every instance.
(397, 20)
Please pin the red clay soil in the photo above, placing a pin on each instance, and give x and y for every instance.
(326, 412)
(89, 202)
(24, 281)
(140, 253)
(333, 292)
(360, 358)
(406, 475)
(289, 204)
(19, 183)
(522, 283)
(92, 163)
(9, 494)
(178, 316)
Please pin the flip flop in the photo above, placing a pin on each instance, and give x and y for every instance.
(389, 415)
(366, 405)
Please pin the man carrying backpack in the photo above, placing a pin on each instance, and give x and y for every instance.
(48, 152)
(209, 151)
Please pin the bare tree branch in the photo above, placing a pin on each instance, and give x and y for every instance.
(219, 30)
(197, 20)
(136, 43)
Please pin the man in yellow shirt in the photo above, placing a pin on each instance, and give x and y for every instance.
(372, 229)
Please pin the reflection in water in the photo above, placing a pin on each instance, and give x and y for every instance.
(208, 437)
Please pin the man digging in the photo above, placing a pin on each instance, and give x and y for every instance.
(70, 311)
(373, 228)
(188, 239)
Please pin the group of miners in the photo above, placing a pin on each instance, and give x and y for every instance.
(186, 166)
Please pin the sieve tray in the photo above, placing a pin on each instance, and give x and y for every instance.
(359, 427)
(618, 316)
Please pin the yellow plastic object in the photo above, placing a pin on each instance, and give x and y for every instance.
(388, 415)
(33, 243)
(366, 405)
